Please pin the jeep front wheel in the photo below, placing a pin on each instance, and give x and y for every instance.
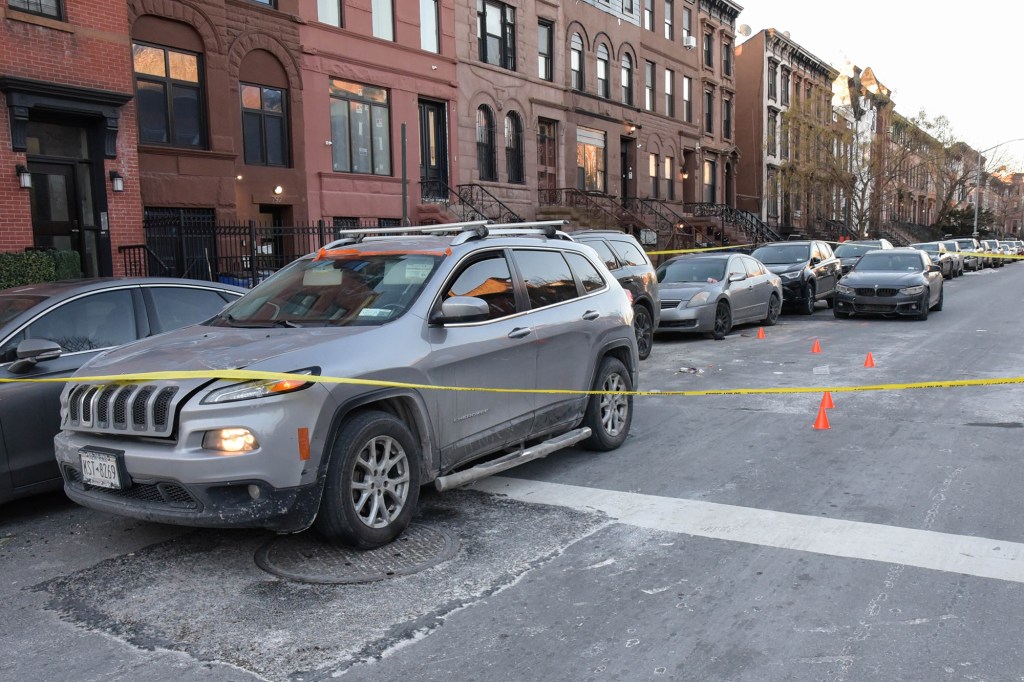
(609, 414)
(372, 484)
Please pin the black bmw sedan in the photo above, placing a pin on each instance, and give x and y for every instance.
(891, 282)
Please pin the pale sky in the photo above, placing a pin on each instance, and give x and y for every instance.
(959, 60)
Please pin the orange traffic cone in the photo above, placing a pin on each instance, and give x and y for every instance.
(760, 332)
(826, 401)
(821, 423)
(816, 348)
(869, 361)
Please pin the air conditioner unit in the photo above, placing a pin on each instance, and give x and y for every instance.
(689, 42)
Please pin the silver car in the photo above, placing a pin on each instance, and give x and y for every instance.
(432, 317)
(710, 293)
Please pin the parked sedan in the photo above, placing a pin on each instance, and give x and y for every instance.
(974, 254)
(849, 252)
(901, 281)
(49, 330)
(939, 255)
(995, 251)
(712, 292)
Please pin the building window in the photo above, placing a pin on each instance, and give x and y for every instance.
(772, 131)
(486, 162)
(670, 183)
(727, 59)
(264, 125)
(785, 87)
(687, 23)
(687, 99)
(46, 8)
(649, 86)
(270, 3)
(670, 32)
(653, 170)
(627, 79)
(576, 61)
(590, 159)
(709, 50)
(603, 89)
(514, 148)
(496, 28)
(727, 119)
(360, 128)
(670, 92)
(545, 50)
(773, 85)
(329, 12)
(627, 6)
(710, 182)
(430, 34)
(709, 111)
(169, 96)
(383, 12)
(649, 15)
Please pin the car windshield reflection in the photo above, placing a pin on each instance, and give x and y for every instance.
(889, 263)
(705, 271)
(783, 254)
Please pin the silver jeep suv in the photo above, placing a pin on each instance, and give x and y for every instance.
(423, 318)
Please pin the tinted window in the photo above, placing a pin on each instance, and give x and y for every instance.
(629, 253)
(825, 250)
(547, 276)
(95, 321)
(604, 251)
(12, 306)
(852, 250)
(754, 268)
(490, 279)
(585, 270)
(175, 307)
(891, 262)
(780, 254)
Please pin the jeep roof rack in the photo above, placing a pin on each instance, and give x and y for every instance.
(546, 228)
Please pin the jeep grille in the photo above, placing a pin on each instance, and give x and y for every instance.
(130, 408)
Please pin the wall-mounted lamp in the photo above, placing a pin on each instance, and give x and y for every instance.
(116, 181)
(684, 175)
(278, 190)
(632, 128)
(24, 177)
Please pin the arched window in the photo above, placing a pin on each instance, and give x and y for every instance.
(602, 72)
(627, 79)
(514, 148)
(264, 93)
(485, 151)
(576, 61)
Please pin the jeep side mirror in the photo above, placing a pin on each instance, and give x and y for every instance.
(461, 309)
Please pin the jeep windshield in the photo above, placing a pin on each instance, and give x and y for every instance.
(341, 288)
(783, 254)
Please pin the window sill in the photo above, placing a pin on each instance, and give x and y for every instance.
(185, 151)
(28, 18)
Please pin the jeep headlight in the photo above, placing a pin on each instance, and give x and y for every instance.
(260, 388)
(699, 299)
(912, 291)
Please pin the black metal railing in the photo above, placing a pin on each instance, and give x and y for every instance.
(597, 207)
(674, 232)
(141, 261)
(752, 227)
(459, 207)
(488, 204)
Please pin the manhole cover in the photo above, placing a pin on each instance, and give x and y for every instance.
(308, 559)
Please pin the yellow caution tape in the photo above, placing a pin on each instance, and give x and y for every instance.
(253, 375)
(711, 248)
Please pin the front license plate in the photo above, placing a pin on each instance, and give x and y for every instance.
(101, 469)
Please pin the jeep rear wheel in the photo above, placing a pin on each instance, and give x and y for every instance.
(609, 415)
(372, 484)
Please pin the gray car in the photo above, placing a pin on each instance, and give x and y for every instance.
(710, 293)
(425, 320)
(49, 330)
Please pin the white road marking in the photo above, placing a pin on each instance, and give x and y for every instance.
(969, 555)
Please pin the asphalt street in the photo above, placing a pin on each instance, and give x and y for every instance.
(726, 540)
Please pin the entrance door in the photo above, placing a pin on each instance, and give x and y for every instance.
(433, 150)
(57, 222)
(627, 156)
(547, 160)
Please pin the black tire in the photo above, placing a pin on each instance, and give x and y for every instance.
(609, 416)
(938, 306)
(643, 326)
(355, 465)
(925, 303)
(774, 310)
(839, 314)
(831, 301)
(807, 305)
(723, 321)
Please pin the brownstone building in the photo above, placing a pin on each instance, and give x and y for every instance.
(69, 175)
(623, 108)
(790, 138)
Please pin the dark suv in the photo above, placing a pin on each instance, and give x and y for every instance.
(809, 271)
(630, 265)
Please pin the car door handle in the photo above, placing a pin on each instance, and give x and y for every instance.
(520, 332)
(591, 315)
(629, 280)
